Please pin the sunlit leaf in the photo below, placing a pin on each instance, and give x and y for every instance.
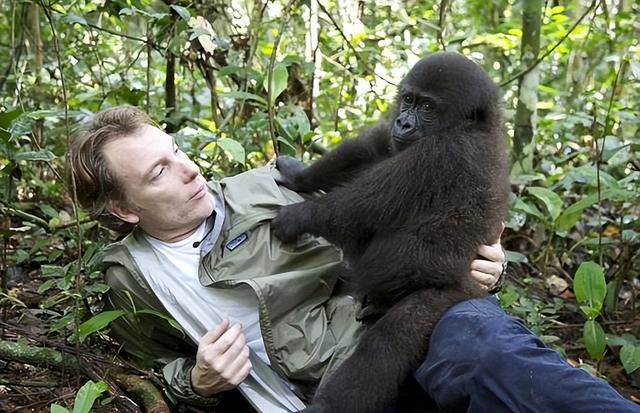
(589, 284)
(87, 395)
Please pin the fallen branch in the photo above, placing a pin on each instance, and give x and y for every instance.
(142, 390)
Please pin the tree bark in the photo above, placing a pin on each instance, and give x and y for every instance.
(525, 119)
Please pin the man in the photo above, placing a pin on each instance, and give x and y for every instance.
(203, 255)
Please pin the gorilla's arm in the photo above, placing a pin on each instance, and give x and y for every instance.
(341, 164)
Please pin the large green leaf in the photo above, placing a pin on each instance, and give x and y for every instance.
(98, 322)
(571, 214)
(233, 149)
(594, 339)
(87, 395)
(589, 284)
(630, 357)
(279, 80)
(551, 200)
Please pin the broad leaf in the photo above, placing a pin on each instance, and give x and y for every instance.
(245, 96)
(551, 200)
(589, 285)
(87, 395)
(630, 357)
(594, 339)
(233, 149)
(98, 322)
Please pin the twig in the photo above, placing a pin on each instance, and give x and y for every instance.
(74, 194)
(548, 52)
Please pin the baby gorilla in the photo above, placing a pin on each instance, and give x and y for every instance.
(409, 202)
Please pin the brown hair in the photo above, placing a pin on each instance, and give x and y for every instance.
(96, 185)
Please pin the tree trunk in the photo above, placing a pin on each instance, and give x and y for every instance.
(525, 119)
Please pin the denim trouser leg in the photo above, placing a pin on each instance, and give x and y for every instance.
(482, 360)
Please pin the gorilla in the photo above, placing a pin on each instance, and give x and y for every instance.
(409, 201)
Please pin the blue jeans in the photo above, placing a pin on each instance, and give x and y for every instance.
(482, 360)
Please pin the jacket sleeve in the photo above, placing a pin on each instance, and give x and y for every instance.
(151, 339)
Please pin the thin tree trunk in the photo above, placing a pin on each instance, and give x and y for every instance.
(37, 60)
(525, 119)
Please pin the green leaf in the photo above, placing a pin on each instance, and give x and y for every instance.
(279, 81)
(630, 357)
(286, 148)
(594, 339)
(87, 395)
(56, 408)
(614, 340)
(571, 214)
(173, 323)
(98, 322)
(233, 149)
(551, 200)
(530, 209)
(182, 12)
(589, 284)
(245, 96)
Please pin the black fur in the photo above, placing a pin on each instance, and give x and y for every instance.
(409, 202)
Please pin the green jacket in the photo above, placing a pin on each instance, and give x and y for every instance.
(307, 325)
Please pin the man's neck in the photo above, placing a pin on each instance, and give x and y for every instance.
(171, 236)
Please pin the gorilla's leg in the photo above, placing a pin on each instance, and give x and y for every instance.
(369, 380)
(338, 166)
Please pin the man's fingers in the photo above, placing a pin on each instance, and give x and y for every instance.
(487, 267)
(215, 333)
(492, 252)
(485, 280)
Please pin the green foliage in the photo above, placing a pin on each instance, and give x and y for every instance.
(575, 188)
(85, 398)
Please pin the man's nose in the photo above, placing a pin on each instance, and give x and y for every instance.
(190, 170)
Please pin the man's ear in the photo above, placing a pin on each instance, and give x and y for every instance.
(124, 213)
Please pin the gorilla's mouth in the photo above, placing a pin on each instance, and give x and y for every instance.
(407, 139)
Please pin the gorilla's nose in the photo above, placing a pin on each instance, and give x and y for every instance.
(404, 125)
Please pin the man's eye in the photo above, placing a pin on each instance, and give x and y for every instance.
(160, 172)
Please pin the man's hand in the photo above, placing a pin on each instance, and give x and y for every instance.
(222, 361)
(487, 272)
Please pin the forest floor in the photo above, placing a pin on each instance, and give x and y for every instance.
(34, 385)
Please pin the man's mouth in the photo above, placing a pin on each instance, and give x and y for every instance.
(199, 193)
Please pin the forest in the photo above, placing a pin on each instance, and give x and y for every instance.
(238, 83)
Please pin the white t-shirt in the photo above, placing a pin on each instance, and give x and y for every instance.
(196, 308)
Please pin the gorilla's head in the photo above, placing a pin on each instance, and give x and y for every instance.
(443, 91)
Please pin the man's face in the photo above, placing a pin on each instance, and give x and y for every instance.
(166, 195)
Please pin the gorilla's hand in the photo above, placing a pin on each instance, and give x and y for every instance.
(289, 223)
(290, 168)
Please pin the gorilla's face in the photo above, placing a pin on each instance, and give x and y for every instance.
(418, 113)
(442, 91)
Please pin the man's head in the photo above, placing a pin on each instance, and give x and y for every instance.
(128, 172)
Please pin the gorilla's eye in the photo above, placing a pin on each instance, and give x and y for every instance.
(427, 106)
(407, 99)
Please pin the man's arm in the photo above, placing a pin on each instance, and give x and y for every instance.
(152, 340)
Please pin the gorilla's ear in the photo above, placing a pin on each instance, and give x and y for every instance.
(478, 115)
